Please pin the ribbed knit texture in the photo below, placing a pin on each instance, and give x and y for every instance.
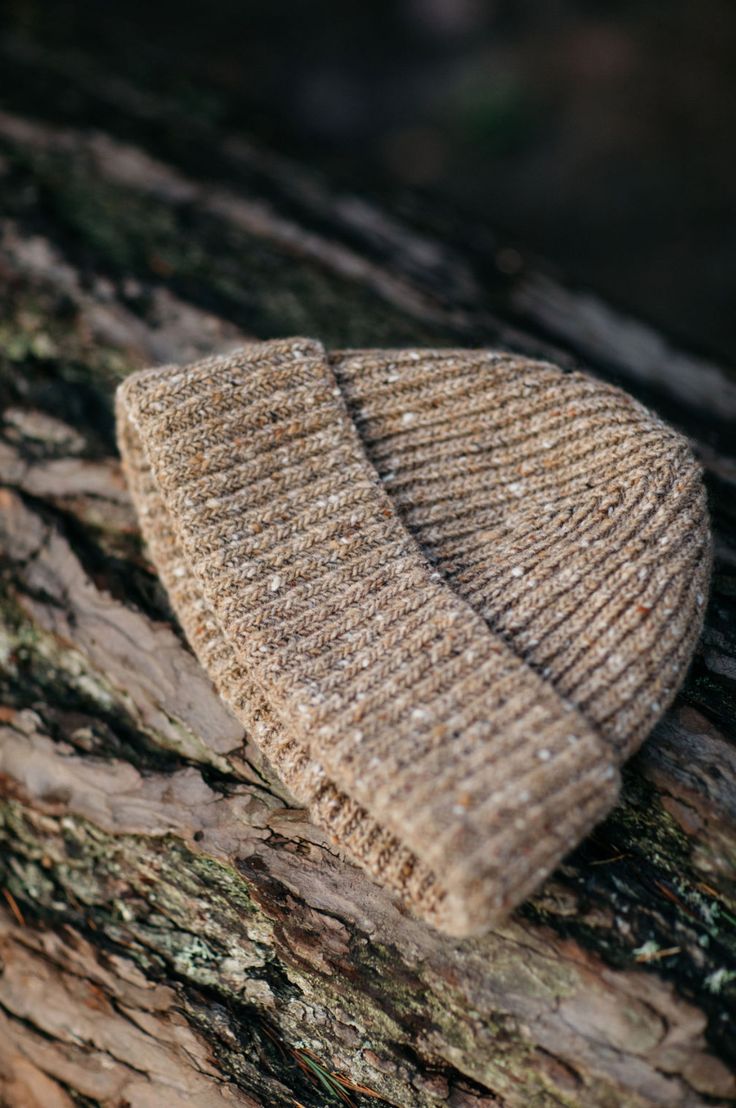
(404, 570)
(571, 517)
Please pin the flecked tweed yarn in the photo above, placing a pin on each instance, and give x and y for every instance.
(447, 592)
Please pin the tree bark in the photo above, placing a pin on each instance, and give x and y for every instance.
(173, 931)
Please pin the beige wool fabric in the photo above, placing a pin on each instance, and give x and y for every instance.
(447, 592)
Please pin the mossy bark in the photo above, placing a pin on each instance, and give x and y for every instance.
(173, 930)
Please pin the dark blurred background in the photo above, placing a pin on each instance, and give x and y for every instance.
(601, 136)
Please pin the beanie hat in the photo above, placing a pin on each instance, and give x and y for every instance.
(447, 592)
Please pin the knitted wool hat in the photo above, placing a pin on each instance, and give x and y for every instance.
(447, 592)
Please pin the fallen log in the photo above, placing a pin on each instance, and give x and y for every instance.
(172, 929)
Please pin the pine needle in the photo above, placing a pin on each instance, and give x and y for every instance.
(13, 905)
